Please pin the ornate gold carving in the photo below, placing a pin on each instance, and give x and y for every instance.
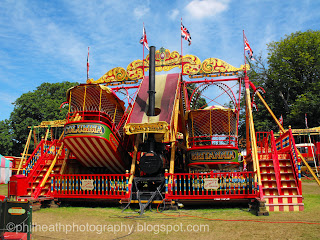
(191, 64)
(135, 69)
(169, 62)
(135, 128)
(165, 61)
(54, 123)
(117, 74)
(214, 65)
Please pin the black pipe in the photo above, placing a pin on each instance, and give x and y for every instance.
(152, 80)
(151, 163)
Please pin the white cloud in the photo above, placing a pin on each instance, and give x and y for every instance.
(7, 98)
(206, 8)
(139, 12)
(173, 14)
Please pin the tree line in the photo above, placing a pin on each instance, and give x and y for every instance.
(290, 75)
(30, 109)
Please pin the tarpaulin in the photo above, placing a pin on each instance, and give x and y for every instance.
(5, 169)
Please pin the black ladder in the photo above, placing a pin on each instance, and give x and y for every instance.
(147, 188)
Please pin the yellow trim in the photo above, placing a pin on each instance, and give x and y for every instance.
(134, 158)
(210, 124)
(52, 164)
(100, 100)
(192, 66)
(185, 131)
(254, 152)
(47, 134)
(84, 98)
(69, 103)
(25, 151)
(114, 115)
(145, 201)
(64, 164)
(55, 123)
(136, 128)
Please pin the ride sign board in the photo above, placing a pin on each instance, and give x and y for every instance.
(211, 183)
(93, 129)
(87, 184)
(213, 155)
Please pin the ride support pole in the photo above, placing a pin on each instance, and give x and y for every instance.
(254, 152)
(283, 130)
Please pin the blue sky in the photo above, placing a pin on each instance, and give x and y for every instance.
(47, 41)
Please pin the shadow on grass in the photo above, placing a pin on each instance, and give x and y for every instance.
(216, 206)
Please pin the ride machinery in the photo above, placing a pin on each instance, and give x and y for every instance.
(162, 138)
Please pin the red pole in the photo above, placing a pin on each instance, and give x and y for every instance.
(244, 54)
(181, 49)
(143, 52)
(88, 65)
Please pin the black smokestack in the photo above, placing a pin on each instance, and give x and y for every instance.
(151, 162)
(152, 80)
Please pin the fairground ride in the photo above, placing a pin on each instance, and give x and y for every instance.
(162, 139)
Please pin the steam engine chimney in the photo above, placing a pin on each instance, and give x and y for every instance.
(151, 163)
(152, 78)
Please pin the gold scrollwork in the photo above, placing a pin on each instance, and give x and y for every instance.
(173, 62)
(215, 65)
(53, 123)
(135, 128)
(247, 66)
(135, 70)
(165, 61)
(191, 64)
(117, 74)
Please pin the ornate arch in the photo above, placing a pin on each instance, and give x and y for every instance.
(165, 61)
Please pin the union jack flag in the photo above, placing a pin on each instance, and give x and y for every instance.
(185, 34)
(306, 120)
(247, 48)
(281, 120)
(143, 39)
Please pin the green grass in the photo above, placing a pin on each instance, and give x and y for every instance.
(4, 189)
(232, 221)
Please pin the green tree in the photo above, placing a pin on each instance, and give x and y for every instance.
(32, 108)
(263, 121)
(6, 138)
(291, 81)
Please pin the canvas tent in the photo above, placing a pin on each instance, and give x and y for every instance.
(5, 169)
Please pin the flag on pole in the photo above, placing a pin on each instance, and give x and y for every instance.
(88, 64)
(247, 48)
(185, 34)
(306, 120)
(281, 120)
(143, 39)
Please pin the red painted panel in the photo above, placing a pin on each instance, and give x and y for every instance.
(94, 151)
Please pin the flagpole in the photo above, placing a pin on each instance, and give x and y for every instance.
(306, 120)
(244, 54)
(181, 49)
(88, 64)
(143, 52)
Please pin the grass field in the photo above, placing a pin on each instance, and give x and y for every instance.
(4, 189)
(229, 222)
